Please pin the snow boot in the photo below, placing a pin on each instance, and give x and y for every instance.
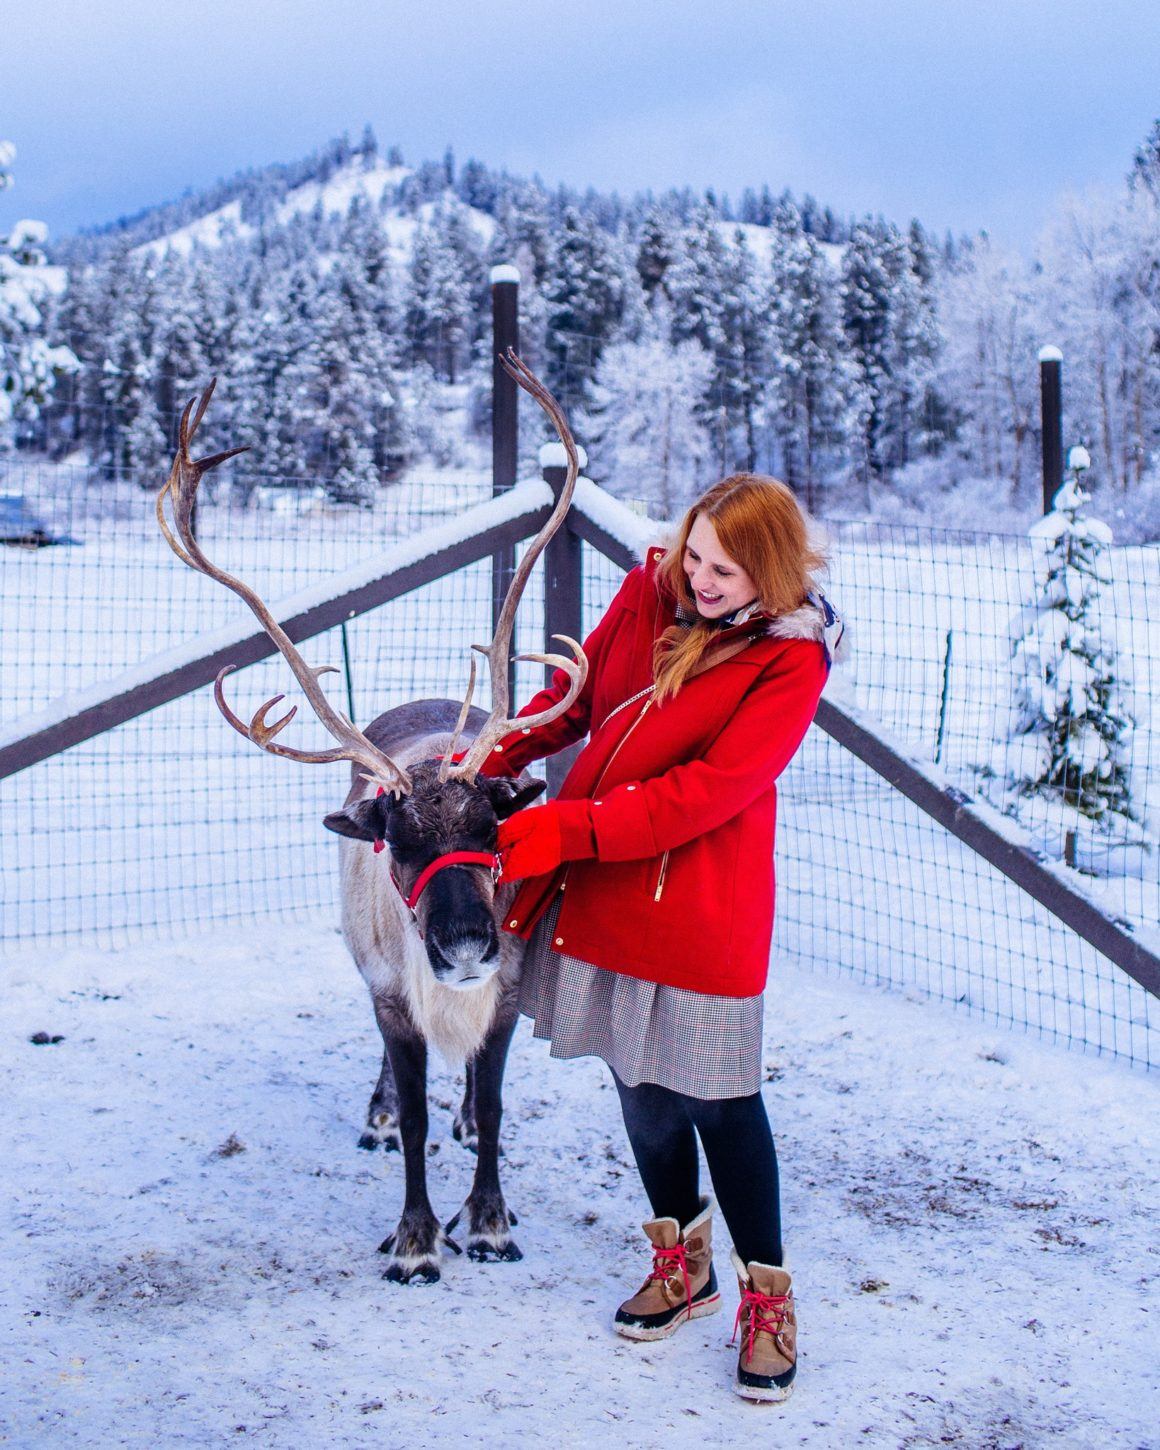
(682, 1284)
(767, 1321)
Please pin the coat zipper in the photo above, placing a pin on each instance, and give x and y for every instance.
(626, 734)
(616, 709)
(661, 877)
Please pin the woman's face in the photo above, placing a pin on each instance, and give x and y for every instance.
(719, 585)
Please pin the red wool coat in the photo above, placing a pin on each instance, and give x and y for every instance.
(683, 799)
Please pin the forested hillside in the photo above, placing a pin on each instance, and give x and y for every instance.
(343, 303)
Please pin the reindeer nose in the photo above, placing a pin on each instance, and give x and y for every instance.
(462, 944)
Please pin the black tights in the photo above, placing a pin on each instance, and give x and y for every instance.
(662, 1128)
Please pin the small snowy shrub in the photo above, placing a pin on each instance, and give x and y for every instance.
(1066, 765)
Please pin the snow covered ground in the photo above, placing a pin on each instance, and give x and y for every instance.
(189, 1242)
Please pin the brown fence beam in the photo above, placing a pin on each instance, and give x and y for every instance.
(100, 710)
(592, 511)
(601, 540)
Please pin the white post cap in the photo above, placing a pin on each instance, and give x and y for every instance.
(553, 455)
(504, 272)
(1050, 354)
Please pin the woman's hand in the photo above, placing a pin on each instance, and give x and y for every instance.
(535, 842)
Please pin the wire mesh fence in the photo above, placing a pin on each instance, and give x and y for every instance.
(172, 821)
(933, 614)
(869, 884)
(78, 612)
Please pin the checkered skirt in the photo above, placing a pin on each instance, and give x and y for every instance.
(695, 1043)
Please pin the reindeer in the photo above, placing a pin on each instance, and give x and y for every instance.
(421, 921)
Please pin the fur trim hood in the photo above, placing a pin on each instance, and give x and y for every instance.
(815, 619)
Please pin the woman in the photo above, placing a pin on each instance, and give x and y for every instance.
(648, 887)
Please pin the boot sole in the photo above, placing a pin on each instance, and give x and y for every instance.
(771, 1396)
(662, 1331)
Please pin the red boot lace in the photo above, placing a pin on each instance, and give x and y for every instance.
(664, 1261)
(767, 1317)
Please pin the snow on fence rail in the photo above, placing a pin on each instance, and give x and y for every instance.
(168, 820)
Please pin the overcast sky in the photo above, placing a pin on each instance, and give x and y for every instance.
(965, 113)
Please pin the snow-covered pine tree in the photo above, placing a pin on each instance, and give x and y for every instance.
(646, 438)
(694, 283)
(912, 347)
(655, 249)
(1071, 737)
(179, 364)
(810, 377)
(743, 363)
(28, 365)
(344, 392)
(584, 298)
(990, 329)
(279, 406)
(135, 442)
(866, 288)
(438, 320)
(366, 277)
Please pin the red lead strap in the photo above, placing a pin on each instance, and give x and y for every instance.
(440, 863)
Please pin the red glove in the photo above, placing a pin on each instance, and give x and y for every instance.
(534, 842)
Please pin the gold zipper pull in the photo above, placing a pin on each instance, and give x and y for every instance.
(661, 877)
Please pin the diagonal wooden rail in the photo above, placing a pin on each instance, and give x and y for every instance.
(394, 571)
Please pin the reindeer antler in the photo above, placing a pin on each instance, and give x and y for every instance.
(181, 490)
(498, 651)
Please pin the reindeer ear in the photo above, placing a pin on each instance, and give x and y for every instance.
(508, 796)
(364, 820)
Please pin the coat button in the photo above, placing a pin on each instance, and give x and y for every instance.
(513, 922)
(498, 749)
(631, 787)
(527, 730)
(597, 803)
(559, 941)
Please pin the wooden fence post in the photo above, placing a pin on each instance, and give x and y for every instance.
(563, 589)
(1051, 405)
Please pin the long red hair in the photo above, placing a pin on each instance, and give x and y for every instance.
(761, 526)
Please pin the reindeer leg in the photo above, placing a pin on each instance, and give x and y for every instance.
(489, 1220)
(464, 1128)
(414, 1245)
(382, 1129)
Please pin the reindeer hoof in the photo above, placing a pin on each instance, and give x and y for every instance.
(484, 1252)
(426, 1271)
(370, 1141)
(383, 1134)
(462, 1133)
